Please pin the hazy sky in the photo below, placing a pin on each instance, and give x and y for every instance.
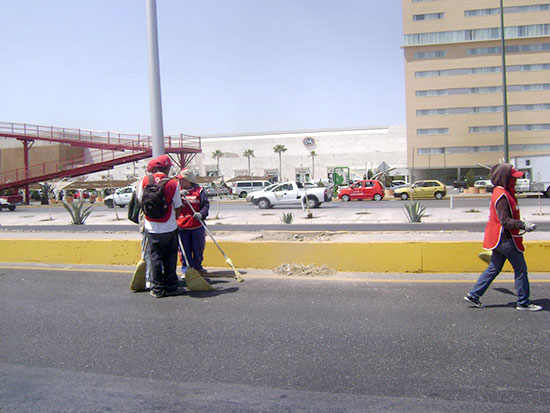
(227, 66)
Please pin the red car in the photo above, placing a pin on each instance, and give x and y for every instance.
(368, 189)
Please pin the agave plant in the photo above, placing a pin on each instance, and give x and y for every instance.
(415, 211)
(78, 213)
(287, 218)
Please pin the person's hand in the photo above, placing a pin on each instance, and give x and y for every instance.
(184, 192)
(197, 216)
(529, 226)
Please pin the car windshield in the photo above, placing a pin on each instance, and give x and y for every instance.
(270, 187)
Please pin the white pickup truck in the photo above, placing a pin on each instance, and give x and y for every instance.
(288, 193)
(121, 197)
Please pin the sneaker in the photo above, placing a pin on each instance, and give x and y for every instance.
(202, 271)
(528, 307)
(156, 294)
(474, 301)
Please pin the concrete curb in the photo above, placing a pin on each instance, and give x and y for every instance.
(379, 257)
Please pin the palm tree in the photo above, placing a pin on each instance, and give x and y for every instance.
(280, 149)
(217, 154)
(249, 153)
(313, 154)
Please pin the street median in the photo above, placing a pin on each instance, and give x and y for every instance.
(376, 257)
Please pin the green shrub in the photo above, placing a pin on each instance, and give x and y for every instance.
(287, 218)
(78, 214)
(414, 211)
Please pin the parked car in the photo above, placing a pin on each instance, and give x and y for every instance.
(5, 204)
(397, 183)
(121, 197)
(243, 188)
(460, 184)
(85, 195)
(484, 183)
(523, 185)
(422, 189)
(367, 189)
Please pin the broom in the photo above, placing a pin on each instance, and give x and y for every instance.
(238, 276)
(138, 279)
(193, 279)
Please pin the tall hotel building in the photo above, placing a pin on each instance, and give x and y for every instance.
(453, 76)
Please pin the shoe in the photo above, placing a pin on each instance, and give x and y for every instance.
(157, 294)
(528, 307)
(147, 285)
(183, 269)
(202, 271)
(173, 293)
(474, 301)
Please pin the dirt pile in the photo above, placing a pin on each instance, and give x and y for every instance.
(304, 270)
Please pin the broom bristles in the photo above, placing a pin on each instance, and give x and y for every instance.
(238, 276)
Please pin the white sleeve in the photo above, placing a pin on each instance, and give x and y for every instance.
(139, 190)
(177, 197)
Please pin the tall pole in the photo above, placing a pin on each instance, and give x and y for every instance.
(504, 86)
(155, 102)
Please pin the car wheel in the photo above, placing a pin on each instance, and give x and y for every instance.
(461, 190)
(109, 203)
(438, 195)
(0, 207)
(312, 202)
(263, 203)
(243, 194)
(377, 197)
(547, 193)
(11, 207)
(345, 198)
(404, 196)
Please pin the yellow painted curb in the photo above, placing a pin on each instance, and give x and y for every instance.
(394, 257)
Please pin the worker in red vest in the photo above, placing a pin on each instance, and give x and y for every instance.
(504, 239)
(195, 207)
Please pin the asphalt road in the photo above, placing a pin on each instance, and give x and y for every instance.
(79, 340)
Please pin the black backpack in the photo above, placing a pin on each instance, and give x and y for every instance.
(153, 201)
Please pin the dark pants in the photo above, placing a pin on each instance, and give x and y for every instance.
(163, 252)
(505, 250)
(193, 241)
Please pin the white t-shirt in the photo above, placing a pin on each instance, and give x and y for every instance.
(161, 227)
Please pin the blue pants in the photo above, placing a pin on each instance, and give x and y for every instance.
(505, 250)
(193, 241)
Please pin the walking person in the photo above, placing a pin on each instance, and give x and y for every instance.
(191, 231)
(161, 203)
(503, 238)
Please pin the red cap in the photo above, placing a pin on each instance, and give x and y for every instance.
(516, 173)
(151, 164)
(163, 161)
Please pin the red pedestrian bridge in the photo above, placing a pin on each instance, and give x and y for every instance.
(105, 151)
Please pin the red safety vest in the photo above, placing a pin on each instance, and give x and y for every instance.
(493, 230)
(169, 191)
(186, 220)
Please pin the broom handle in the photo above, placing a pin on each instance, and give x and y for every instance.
(206, 229)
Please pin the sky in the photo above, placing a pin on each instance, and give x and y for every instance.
(227, 66)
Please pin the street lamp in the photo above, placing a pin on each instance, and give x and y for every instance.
(504, 86)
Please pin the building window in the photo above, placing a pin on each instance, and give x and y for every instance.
(481, 70)
(488, 148)
(430, 55)
(487, 33)
(432, 131)
(486, 129)
(512, 9)
(524, 48)
(428, 16)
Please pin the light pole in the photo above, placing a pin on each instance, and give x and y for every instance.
(504, 86)
(155, 102)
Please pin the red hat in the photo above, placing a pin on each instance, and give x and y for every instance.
(516, 173)
(151, 164)
(163, 161)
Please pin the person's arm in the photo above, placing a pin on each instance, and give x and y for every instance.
(204, 204)
(505, 216)
(176, 200)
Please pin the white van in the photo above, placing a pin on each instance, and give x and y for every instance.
(243, 188)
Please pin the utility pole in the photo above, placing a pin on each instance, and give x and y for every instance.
(504, 86)
(155, 102)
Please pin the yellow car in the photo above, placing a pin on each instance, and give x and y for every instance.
(422, 189)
